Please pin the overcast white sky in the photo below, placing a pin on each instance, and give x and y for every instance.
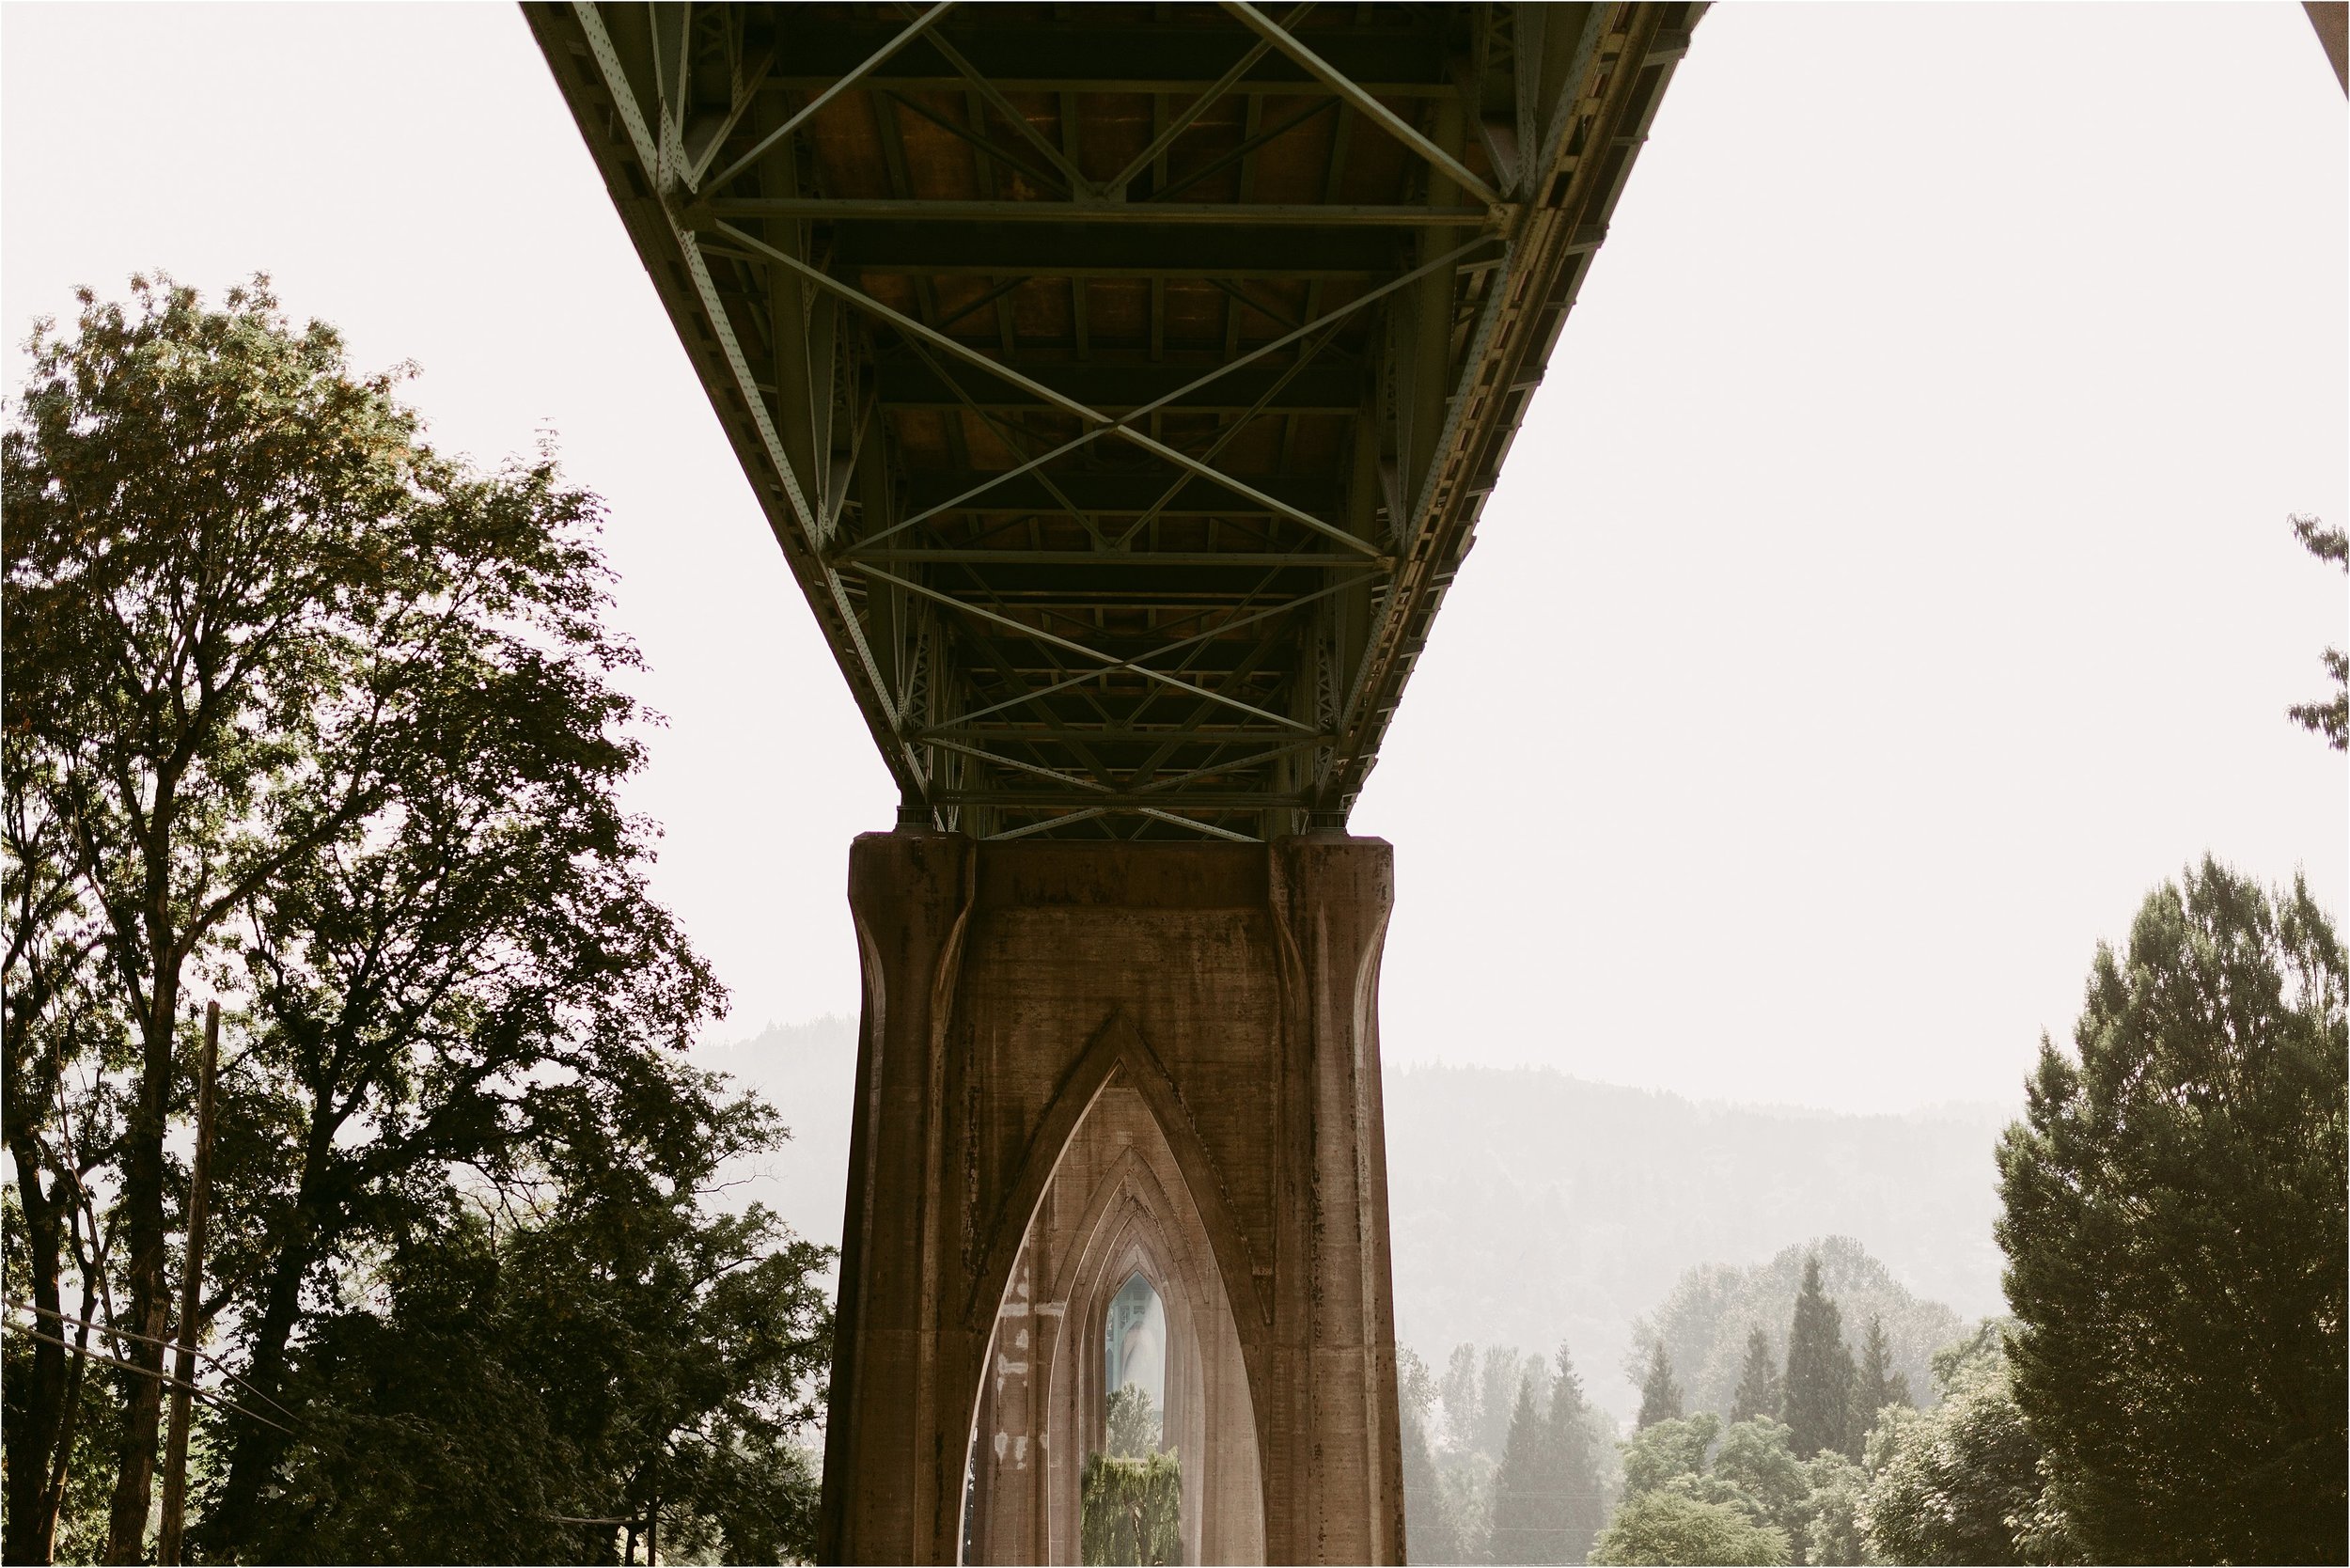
(1891, 586)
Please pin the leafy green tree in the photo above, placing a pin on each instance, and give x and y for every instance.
(1963, 1482)
(1826, 1527)
(1132, 1422)
(1668, 1526)
(621, 1354)
(1660, 1396)
(2331, 717)
(1820, 1373)
(229, 583)
(303, 714)
(1880, 1382)
(1669, 1451)
(1130, 1510)
(1758, 1382)
(1755, 1469)
(2174, 1227)
(64, 1023)
(1752, 1472)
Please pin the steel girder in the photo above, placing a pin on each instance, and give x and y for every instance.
(1123, 382)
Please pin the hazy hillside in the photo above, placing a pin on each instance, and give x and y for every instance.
(1528, 1206)
(808, 1073)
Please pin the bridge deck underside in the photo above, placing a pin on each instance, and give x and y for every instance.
(1123, 382)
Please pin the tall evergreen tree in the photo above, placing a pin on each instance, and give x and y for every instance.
(1758, 1385)
(1504, 1370)
(1881, 1383)
(2174, 1228)
(1547, 1500)
(1820, 1373)
(1660, 1396)
(1522, 1484)
(1582, 1505)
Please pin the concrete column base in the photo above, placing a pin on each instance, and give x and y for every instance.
(1082, 1060)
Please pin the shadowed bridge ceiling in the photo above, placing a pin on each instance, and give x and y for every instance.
(1123, 381)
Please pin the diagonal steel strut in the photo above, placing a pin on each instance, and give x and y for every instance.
(1364, 104)
(873, 62)
(1106, 424)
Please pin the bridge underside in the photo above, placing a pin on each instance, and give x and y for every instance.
(1123, 381)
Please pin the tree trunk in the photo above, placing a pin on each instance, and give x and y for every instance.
(39, 1425)
(61, 1463)
(229, 1523)
(149, 1288)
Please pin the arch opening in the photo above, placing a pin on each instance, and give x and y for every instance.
(1114, 1345)
(1133, 1370)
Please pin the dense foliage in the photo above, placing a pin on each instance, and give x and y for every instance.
(1669, 1528)
(1805, 1511)
(1965, 1483)
(1130, 1509)
(302, 715)
(1132, 1422)
(1678, 1482)
(2175, 1229)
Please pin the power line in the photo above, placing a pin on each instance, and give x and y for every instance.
(163, 1377)
(149, 1339)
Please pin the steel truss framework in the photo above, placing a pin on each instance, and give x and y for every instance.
(1123, 381)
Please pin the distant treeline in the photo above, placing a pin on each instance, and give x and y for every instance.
(2168, 1387)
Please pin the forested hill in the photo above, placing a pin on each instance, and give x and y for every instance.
(808, 1073)
(1528, 1207)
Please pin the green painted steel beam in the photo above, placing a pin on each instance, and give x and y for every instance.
(1159, 214)
(1124, 55)
(1330, 385)
(1123, 386)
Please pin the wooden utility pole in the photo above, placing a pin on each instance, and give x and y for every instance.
(168, 1545)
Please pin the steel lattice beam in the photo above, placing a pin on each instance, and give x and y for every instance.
(1122, 383)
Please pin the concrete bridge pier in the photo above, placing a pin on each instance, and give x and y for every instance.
(1081, 1063)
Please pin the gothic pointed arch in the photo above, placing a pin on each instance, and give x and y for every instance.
(1116, 1047)
(1115, 1204)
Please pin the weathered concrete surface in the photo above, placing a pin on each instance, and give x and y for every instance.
(1230, 992)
